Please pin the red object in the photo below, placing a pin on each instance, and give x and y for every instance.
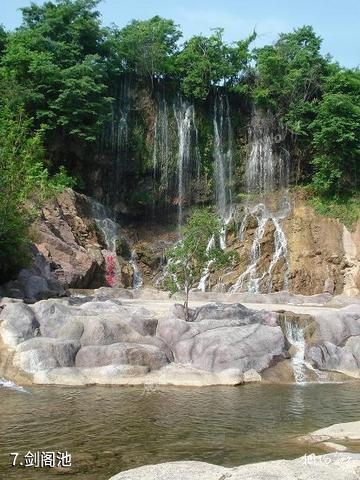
(110, 270)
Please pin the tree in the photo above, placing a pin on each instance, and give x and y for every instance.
(146, 47)
(336, 139)
(289, 77)
(3, 39)
(56, 58)
(207, 61)
(193, 252)
(24, 186)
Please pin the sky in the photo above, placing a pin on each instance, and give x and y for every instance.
(336, 21)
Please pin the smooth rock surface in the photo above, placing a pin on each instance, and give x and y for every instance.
(336, 466)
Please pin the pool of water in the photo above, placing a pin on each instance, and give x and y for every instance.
(108, 430)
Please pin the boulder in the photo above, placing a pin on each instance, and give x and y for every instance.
(106, 330)
(18, 323)
(236, 311)
(327, 356)
(338, 324)
(43, 353)
(222, 343)
(54, 316)
(349, 431)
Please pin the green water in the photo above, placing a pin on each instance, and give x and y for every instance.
(108, 430)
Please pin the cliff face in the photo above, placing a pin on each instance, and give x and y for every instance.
(317, 259)
(76, 245)
(302, 252)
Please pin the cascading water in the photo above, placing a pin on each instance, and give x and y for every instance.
(223, 156)
(111, 232)
(267, 167)
(11, 385)
(113, 143)
(206, 273)
(187, 144)
(161, 149)
(267, 170)
(108, 227)
(250, 274)
(138, 280)
(223, 160)
(295, 335)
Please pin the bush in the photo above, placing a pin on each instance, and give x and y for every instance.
(24, 186)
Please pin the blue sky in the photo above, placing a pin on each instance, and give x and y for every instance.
(336, 21)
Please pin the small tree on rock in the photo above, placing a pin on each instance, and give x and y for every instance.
(190, 256)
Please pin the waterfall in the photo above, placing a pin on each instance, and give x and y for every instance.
(138, 280)
(250, 279)
(113, 139)
(161, 148)
(250, 274)
(111, 232)
(119, 118)
(223, 156)
(11, 385)
(187, 149)
(223, 159)
(295, 335)
(267, 167)
(108, 227)
(206, 272)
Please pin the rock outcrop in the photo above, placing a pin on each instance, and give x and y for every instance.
(70, 241)
(110, 337)
(97, 339)
(323, 467)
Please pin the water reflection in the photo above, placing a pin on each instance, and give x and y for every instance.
(111, 429)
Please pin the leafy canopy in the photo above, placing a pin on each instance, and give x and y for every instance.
(207, 61)
(289, 77)
(56, 58)
(146, 47)
(336, 136)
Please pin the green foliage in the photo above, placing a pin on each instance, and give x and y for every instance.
(56, 59)
(347, 210)
(289, 77)
(62, 67)
(207, 61)
(24, 186)
(336, 139)
(3, 39)
(146, 47)
(188, 258)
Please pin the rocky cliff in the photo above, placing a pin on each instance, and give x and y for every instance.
(77, 245)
